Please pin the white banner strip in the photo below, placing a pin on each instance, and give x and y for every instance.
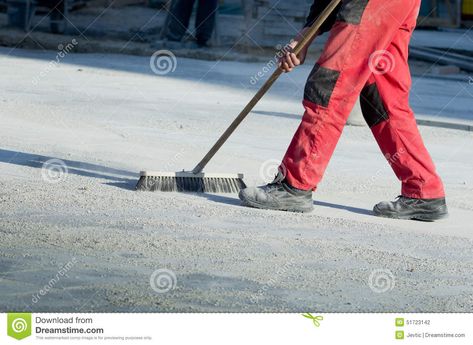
(309, 328)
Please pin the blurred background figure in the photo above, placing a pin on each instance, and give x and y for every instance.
(179, 17)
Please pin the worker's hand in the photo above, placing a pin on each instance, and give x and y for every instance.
(289, 60)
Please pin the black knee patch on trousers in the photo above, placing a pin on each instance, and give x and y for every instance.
(372, 105)
(320, 84)
(352, 11)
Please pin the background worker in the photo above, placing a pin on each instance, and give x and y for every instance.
(179, 17)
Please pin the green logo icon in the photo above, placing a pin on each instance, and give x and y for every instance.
(399, 335)
(315, 319)
(19, 325)
(400, 322)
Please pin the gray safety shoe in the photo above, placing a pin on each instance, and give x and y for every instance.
(411, 208)
(277, 195)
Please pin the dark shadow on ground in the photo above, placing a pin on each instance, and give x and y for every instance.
(221, 199)
(121, 178)
(231, 200)
(128, 184)
(344, 207)
(278, 114)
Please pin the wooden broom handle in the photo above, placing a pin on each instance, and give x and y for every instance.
(308, 36)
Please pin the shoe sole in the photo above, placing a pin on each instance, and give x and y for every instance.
(286, 209)
(421, 216)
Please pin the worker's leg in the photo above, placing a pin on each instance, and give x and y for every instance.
(385, 105)
(205, 20)
(362, 28)
(180, 14)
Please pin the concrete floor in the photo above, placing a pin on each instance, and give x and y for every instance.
(83, 235)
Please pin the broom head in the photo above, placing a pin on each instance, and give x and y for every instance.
(185, 181)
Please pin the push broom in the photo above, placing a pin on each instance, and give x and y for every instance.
(198, 181)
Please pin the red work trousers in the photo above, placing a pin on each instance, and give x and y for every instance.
(365, 56)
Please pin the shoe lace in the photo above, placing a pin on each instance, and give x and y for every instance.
(275, 184)
(405, 200)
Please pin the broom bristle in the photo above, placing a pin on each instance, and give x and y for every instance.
(188, 182)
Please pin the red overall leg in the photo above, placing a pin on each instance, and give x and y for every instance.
(385, 104)
(362, 29)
